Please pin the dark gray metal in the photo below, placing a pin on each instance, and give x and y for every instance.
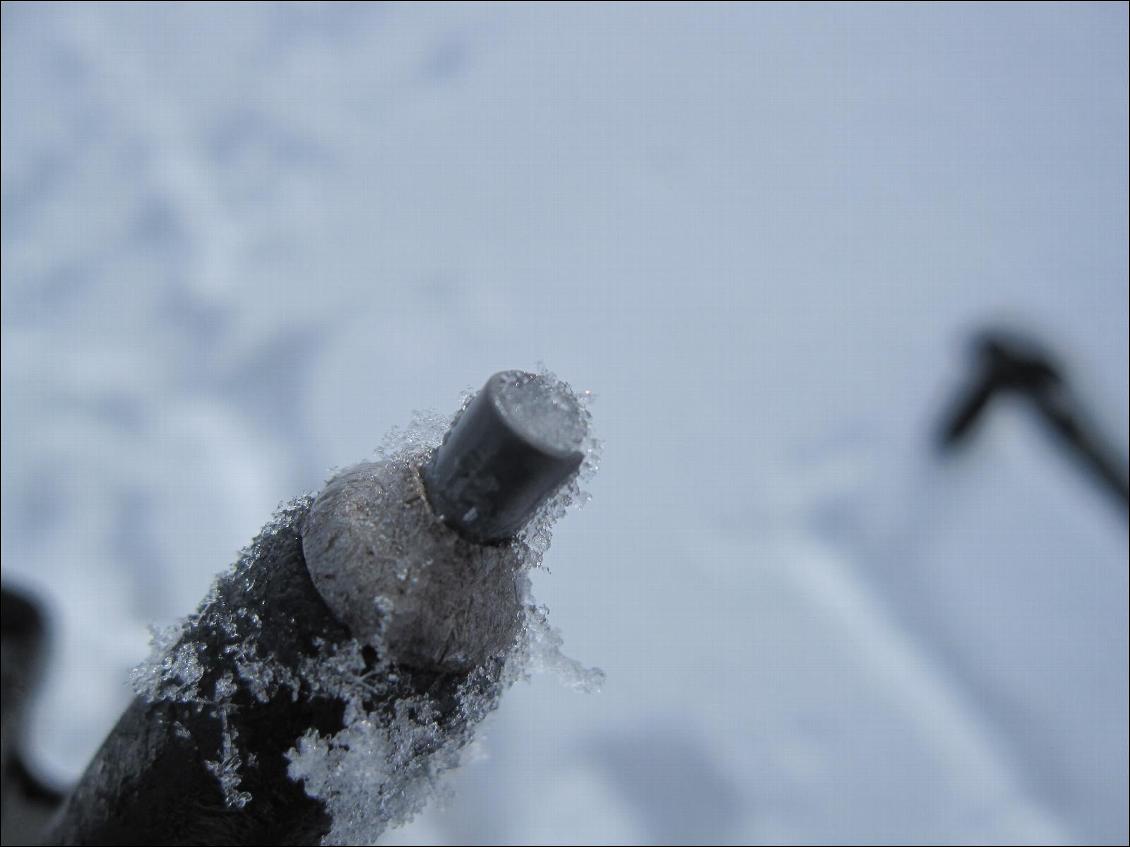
(492, 472)
(437, 600)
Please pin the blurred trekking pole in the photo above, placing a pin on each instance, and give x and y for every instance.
(1009, 364)
(345, 660)
(27, 804)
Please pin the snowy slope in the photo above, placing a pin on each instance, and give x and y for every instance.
(241, 242)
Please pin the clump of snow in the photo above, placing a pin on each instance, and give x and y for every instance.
(540, 652)
(538, 533)
(172, 670)
(383, 766)
(227, 767)
(399, 736)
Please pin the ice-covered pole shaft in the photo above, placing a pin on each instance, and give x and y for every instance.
(349, 654)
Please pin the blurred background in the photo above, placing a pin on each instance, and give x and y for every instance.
(241, 242)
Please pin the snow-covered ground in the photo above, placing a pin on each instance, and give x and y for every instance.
(241, 242)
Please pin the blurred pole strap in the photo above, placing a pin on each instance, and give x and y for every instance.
(26, 803)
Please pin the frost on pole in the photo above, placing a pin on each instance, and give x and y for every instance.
(328, 681)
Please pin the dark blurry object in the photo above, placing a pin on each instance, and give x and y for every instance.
(26, 803)
(1009, 363)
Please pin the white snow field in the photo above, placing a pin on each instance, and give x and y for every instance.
(242, 242)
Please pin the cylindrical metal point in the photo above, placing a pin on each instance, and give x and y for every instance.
(516, 442)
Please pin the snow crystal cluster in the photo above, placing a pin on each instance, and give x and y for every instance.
(408, 712)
